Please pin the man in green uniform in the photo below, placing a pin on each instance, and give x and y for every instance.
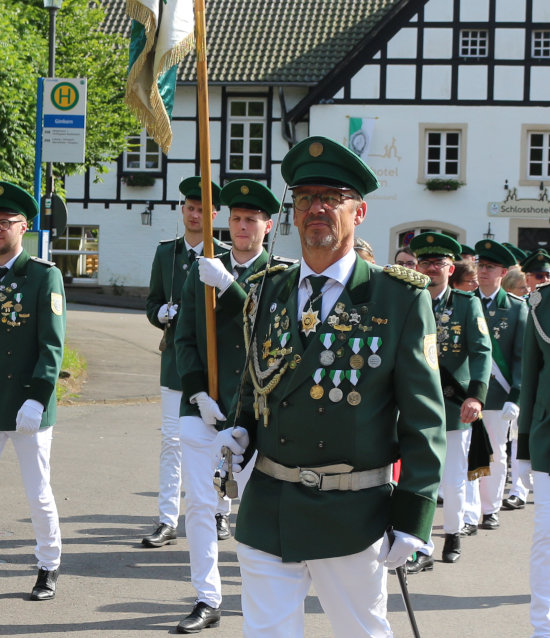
(536, 267)
(343, 382)
(464, 349)
(173, 259)
(251, 206)
(505, 315)
(32, 333)
(534, 448)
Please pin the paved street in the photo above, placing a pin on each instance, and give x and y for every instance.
(105, 478)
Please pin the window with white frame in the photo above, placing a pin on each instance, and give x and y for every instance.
(76, 253)
(143, 154)
(442, 157)
(246, 135)
(538, 155)
(474, 43)
(541, 44)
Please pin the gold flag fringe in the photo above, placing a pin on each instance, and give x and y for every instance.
(154, 119)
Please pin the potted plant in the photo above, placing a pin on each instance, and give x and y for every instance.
(441, 184)
(138, 179)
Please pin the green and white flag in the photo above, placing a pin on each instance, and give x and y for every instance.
(360, 135)
(162, 34)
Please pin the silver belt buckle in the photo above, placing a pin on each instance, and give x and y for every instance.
(309, 478)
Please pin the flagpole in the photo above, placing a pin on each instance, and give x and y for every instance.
(206, 179)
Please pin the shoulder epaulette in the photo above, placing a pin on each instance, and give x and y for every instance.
(284, 260)
(464, 293)
(407, 276)
(44, 262)
(223, 245)
(513, 296)
(270, 271)
(544, 285)
(169, 241)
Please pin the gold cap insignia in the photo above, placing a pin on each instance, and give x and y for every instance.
(488, 245)
(430, 239)
(316, 149)
(245, 190)
(1, 190)
(540, 257)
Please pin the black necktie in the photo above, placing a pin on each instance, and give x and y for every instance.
(3, 271)
(486, 301)
(191, 255)
(435, 303)
(315, 302)
(239, 270)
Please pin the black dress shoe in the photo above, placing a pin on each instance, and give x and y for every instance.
(422, 563)
(451, 548)
(489, 521)
(513, 503)
(163, 535)
(44, 588)
(469, 529)
(222, 527)
(202, 617)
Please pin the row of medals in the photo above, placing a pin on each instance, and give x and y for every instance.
(16, 307)
(356, 362)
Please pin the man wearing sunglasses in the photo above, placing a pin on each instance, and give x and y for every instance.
(506, 315)
(536, 267)
(32, 333)
(343, 381)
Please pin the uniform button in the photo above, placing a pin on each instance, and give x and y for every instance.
(9, 353)
(237, 372)
(321, 410)
(282, 440)
(321, 444)
(10, 376)
(285, 404)
(237, 346)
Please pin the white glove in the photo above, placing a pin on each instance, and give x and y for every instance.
(213, 273)
(237, 440)
(209, 409)
(403, 546)
(524, 469)
(29, 417)
(510, 411)
(166, 313)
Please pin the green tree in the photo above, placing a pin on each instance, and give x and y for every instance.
(82, 50)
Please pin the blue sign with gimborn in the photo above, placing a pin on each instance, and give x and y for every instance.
(64, 121)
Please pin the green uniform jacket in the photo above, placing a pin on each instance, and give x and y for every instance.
(464, 348)
(400, 415)
(190, 337)
(32, 334)
(506, 318)
(163, 287)
(534, 418)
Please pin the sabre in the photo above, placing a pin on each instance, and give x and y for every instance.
(162, 344)
(221, 483)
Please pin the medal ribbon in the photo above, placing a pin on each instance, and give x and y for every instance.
(283, 339)
(374, 343)
(318, 375)
(353, 376)
(18, 297)
(356, 344)
(336, 376)
(327, 339)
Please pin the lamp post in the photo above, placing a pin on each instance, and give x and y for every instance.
(53, 7)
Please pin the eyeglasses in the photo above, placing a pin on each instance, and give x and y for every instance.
(439, 264)
(6, 224)
(488, 267)
(540, 276)
(304, 201)
(409, 264)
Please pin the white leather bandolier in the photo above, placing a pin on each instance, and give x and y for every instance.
(327, 477)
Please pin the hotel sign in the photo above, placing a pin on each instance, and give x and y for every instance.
(526, 208)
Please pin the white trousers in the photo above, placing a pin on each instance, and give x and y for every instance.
(491, 488)
(170, 461)
(33, 453)
(455, 473)
(521, 485)
(540, 557)
(351, 589)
